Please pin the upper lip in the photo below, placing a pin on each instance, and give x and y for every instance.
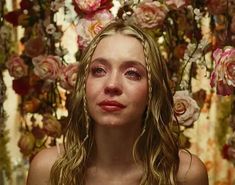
(111, 103)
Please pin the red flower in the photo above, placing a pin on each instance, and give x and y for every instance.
(225, 151)
(12, 17)
(21, 86)
(26, 4)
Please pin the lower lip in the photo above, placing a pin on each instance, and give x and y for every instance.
(109, 108)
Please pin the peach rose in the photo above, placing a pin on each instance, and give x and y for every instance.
(68, 76)
(185, 108)
(150, 14)
(26, 143)
(17, 67)
(51, 125)
(47, 67)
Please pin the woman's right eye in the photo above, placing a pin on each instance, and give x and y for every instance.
(98, 71)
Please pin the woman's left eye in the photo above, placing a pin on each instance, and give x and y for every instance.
(133, 74)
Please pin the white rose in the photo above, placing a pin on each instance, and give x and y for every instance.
(185, 108)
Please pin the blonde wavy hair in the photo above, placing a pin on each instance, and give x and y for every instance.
(157, 145)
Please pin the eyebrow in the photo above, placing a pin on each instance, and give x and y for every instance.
(128, 62)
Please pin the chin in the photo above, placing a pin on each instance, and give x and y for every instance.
(111, 123)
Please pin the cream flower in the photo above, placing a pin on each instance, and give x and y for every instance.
(185, 108)
(57, 4)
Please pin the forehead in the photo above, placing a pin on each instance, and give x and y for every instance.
(120, 46)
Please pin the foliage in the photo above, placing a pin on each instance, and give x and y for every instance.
(5, 44)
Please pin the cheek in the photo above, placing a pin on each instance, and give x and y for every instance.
(89, 89)
(93, 88)
(140, 95)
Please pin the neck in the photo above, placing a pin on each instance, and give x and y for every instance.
(114, 146)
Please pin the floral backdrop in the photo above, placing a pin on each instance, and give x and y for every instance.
(197, 42)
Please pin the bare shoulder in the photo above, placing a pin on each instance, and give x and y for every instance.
(192, 170)
(40, 166)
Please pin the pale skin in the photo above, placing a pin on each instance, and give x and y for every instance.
(117, 75)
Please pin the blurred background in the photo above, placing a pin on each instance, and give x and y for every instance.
(40, 46)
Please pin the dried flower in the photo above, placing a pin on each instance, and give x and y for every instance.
(34, 47)
(26, 143)
(31, 105)
(50, 29)
(51, 125)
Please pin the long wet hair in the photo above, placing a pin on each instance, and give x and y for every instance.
(157, 145)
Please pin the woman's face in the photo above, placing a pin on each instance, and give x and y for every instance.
(116, 87)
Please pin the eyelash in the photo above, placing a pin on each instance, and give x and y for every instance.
(133, 74)
(97, 71)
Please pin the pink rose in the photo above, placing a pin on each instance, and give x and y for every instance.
(17, 67)
(88, 5)
(176, 4)
(51, 125)
(223, 75)
(150, 14)
(88, 28)
(47, 67)
(216, 7)
(68, 76)
(34, 47)
(26, 143)
(185, 108)
(91, 6)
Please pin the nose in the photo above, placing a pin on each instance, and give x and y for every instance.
(113, 85)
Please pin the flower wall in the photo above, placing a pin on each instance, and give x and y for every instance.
(196, 39)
